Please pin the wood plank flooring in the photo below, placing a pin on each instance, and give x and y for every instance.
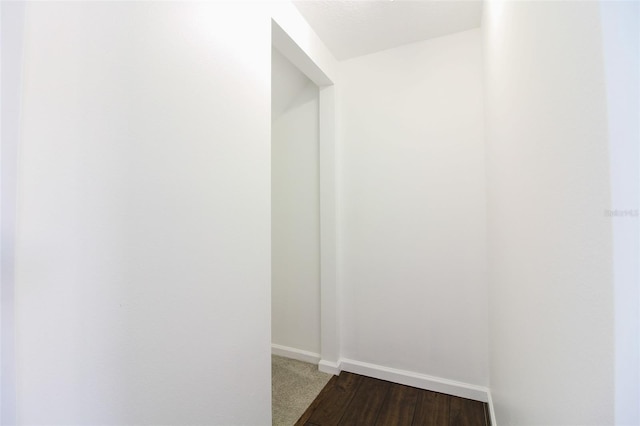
(351, 399)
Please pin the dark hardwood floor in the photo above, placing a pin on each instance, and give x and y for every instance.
(351, 399)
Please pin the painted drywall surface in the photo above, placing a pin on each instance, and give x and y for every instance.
(551, 292)
(412, 209)
(307, 52)
(621, 45)
(295, 239)
(11, 28)
(143, 266)
(287, 82)
(354, 29)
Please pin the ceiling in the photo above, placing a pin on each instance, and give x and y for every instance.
(353, 28)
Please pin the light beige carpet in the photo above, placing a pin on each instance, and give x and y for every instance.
(294, 386)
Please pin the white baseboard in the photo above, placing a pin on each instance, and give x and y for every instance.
(329, 367)
(492, 412)
(409, 378)
(293, 353)
(422, 381)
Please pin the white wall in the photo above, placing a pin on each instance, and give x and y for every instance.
(143, 266)
(550, 244)
(295, 221)
(11, 36)
(412, 208)
(621, 44)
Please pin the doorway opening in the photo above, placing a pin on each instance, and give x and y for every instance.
(295, 213)
(328, 356)
(303, 246)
